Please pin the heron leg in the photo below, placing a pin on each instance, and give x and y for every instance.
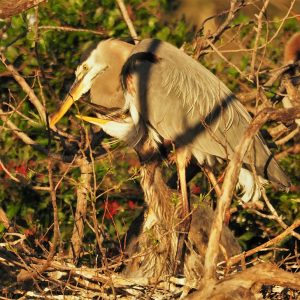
(182, 157)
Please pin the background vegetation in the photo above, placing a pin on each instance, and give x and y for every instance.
(44, 44)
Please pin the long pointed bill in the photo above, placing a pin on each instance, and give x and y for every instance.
(74, 94)
(92, 120)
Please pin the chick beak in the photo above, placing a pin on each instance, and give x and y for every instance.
(92, 120)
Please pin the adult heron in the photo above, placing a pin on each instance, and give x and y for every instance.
(170, 96)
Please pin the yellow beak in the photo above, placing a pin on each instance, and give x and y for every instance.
(92, 120)
(74, 94)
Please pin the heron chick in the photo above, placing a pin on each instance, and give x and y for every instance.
(170, 96)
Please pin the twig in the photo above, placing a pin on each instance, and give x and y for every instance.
(21, 135)
(26, 275)
(258, 33)
(16, 110)
(282, 22)
(235, 259)
(72, 29)
(26, 88)
(235, 6)
(228, 62)
(288, 137)
(276, 217)
(277, 72)
(212, 179)
(128, 21)
(292, 150)
(8, 173)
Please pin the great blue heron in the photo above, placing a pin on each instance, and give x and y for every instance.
(170, 96)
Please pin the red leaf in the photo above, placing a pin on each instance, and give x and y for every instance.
(111, 209)
(131, 204)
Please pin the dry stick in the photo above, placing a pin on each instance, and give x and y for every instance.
(9, 8)
(72, 29)
(16, 110)
(21, 135)
(232, 172)
(81, 206)
(293, 150)
(276, 217)
(288, 137)
(8, 173)
(212, 179)
(282, 22)
(25, 138)
(235, 259)
(128, 21)
(258, 33)
(96, 224)
(26, 88)
(25, 275)
(227, 61)
(244, 285)
(234, 7)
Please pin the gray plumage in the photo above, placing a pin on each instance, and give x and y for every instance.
(182, 101)
(170, 96)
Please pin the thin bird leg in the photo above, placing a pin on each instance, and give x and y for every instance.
(182, 156)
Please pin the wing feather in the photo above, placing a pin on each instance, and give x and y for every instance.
(186, 103)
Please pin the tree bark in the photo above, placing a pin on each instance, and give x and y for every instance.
(244, 285)
(83, 191)
(9, 8)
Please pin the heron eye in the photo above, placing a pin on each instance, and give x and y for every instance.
(85, 68)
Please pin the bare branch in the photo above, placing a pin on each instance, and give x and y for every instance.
(72, 29)
(25, 275)
(81, 207)
(258, 33)
(128, 21)
(276, 217)
(233, 260)
(26, 88)
(9, 8)
(243, 285)
(19, 133)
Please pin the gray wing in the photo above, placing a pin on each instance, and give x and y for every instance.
(186, 103)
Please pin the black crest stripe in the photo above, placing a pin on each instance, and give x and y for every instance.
(129, 66)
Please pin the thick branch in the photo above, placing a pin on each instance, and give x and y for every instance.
(9, 8)
(81, 207)
(239, 285)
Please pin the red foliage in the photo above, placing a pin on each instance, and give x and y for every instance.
(21, 169)
(30, 232)
(131, 204)
(111, 209)
(195, 189)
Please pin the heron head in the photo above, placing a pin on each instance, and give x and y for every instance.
(106, 55)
